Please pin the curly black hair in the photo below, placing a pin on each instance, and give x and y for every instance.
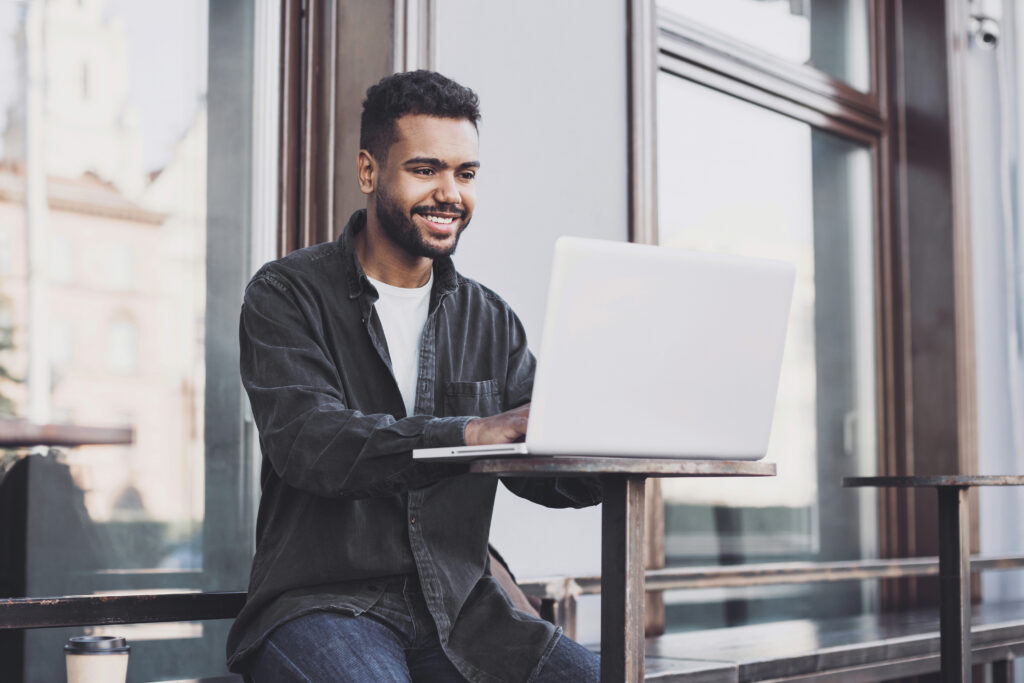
(412, 92)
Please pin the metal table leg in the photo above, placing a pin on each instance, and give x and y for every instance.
(622, 579)
(954, 584)
(1002, 671)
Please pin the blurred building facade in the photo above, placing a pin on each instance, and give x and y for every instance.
(123, 273)
(125, 270)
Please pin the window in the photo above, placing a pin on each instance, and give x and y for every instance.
(130, 209)
(62, 344)
(832, 37)
(746, 171)
(6, 249)
(62, 259)
(7, 374)
(120, 269)
(122, 346)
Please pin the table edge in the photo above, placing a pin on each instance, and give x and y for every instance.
(607, 465)
(933, 481)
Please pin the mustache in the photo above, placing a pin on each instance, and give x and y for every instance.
(439, 208)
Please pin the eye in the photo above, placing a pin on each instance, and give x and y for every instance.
(427, 171)
(468, 175)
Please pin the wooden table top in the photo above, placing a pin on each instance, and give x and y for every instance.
(585, 466)
(21, 434)
(956, 480)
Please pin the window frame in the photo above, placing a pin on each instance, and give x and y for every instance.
(900, 34)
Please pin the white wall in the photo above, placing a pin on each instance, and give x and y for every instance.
(551, 76)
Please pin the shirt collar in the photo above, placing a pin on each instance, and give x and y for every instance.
(446, 280)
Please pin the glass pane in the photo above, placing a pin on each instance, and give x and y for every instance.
(830, 35)
(736, 178)
(105, 310)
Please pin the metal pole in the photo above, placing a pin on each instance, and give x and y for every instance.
(954, 584)
(622, 579)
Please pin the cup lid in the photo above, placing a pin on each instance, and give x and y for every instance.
(97, 645)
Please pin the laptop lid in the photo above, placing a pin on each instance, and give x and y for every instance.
(653, 351)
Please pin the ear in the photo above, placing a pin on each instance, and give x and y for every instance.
(366, 172)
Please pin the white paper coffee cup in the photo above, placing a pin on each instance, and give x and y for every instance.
(96, 659)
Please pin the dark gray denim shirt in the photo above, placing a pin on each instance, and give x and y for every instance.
(343, 504)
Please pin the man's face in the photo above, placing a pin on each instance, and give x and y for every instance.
(426, 188)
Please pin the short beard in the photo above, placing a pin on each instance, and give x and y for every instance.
(402, 230)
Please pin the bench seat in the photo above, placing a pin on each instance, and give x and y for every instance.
(848, 649)
(669, 670)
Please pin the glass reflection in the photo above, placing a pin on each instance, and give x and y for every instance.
(121, 155)
(103, 299)
(736, 178)
(830, 35)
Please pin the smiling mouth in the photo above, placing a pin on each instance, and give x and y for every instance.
(440, 220)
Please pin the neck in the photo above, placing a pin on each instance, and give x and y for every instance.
(387, 262)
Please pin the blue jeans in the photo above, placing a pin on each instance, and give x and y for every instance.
(395, 640)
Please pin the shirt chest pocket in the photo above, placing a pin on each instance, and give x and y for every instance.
(480, 399)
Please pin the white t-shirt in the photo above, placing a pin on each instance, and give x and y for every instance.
(402, 313)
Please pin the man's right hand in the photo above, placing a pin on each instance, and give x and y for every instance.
(506, 427)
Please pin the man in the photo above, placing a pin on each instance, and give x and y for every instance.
(370, 566)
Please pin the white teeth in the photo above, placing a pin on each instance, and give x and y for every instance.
(438, 219)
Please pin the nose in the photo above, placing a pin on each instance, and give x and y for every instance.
(447, 191)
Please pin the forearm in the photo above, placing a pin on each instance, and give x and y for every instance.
(560, 492)
(349, 454)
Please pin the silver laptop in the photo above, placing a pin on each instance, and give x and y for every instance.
(654, 352)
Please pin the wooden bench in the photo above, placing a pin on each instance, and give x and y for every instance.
(865, 648)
